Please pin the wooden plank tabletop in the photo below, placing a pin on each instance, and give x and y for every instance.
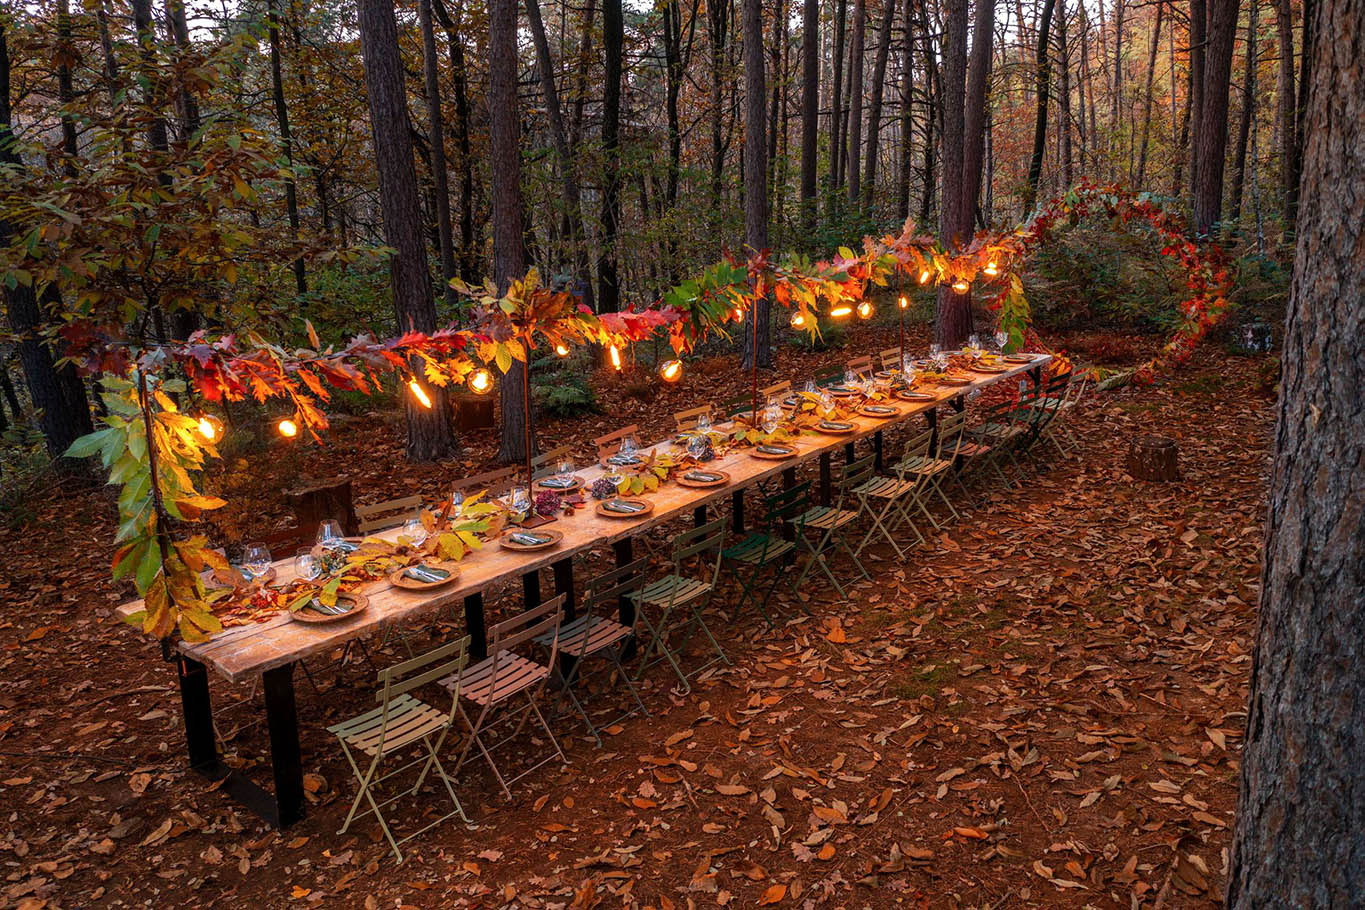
(244, 651)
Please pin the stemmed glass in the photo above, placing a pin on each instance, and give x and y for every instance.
(307, 565)
(826, 405)
(809, 387)
(850, 379)
(703, 424)
(415, 531)
(1002, 338)
(772, 415)
(518, 503)
(255, 560)
(974, 345)
(329, 534)
(628, 449)
(564, 469)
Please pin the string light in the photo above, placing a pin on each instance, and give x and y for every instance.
(961, 285)
(903, 302)
(991, 269)
(480, 381)
(738, 313)
(798, 320)
(288, 428)
(924, 277)
(615, 358)
(841, 311)
(210, 427)
(865, 310)
(562, 349)
(419, 393)
(671, 370)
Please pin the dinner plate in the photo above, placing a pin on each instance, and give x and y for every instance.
(1019, 358)
(399, 578)
(576, 482)
(309, 613)
(907, 395)
(835, 428)
(880, 411)
(955, 381)
(610, 513)
(773, 452)
(508, 540)
(235, 577)
(720, 478)
(349, 544)
(983, 368)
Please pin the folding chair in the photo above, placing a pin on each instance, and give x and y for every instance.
(831, 524)
(991, 444)
(495, 481)
(888, 500)
(593, 633)
(1056, 430)
(943, 465)
(1042, 405)
(401, 722)
(828, 376)
(778, 390)
(688, 588)
(740, 404)
(497, 680)
(890, 358)
(861, 366)
(381, 516)
(547, 462)
(687, 420)
(768, 548)
(608, 444)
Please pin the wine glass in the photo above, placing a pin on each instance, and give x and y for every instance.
(628, 448)
(772, 415)
(564, 468)
(518, 503)
(415, 531)
(329, 533)
(307, 565)
(850, 378)
(703, 424)
(1002, 338)
(809, 387)
(255, 560)
(974, 344)
(826, 405)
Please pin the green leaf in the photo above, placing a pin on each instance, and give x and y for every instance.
(91, 443)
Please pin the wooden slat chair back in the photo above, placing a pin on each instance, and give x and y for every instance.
(609, 443)
(861, 366)
(595, 631)
(890, 358)
(778, 390)
(687, 420)
(740, 404)
(380, 516)
(496, 482)
(679, 600)
(402, 722)
(833, 523)
(546, 463)
(828, 376)
(505, 675)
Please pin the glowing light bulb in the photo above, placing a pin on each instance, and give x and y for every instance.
(841, 310)
(671, 370)
(480, 381)
(924, 277)
(904, 303)
(798, 320)
(961, 286)
(991, 269)
(562, 349)
(865, 310)
(419, 393)
(615, 358)
(288, 428)
(209, 428)
(738, 313)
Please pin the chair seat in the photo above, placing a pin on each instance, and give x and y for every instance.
(759, 549)
(409, 720)
(587, 635)
(825, 518)
(995, 431)
(971, 449)
(514, 674)
(885, 487)
(922, 464)
(671, 590)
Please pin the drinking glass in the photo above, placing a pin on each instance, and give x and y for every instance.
(456, 500)
(628, 447)
(703, 424)
(415, 531)
(564, 468)
(306, 565)
(771, 417)
(974, 344)
(850, 378)
(826, 405)
(1002, 338)
(519, 503)
(329, 533)
(809, 387)
(256, 560)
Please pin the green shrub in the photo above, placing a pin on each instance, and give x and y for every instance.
(563, 395)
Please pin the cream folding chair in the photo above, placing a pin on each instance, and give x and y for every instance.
(493, 683)
(686, 590)
(890, 358)
(832, 524)
(687, 420)
(889, 500)
(495, 481)
(547, 462)
(381, 516)
(861, 366)
(608, 444)
(597, 633)
(942, 467)
(778, 390)
(402, 722)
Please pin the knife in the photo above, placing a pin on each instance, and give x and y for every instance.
(529, 539)
(702, 476)
(627, 507)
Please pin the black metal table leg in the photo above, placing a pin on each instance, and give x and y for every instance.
(699, 516)
(825, 480)
(850, 453)
(1036, 374)
(530, 589)
(286, 757)
(931, 418)
(737, 506)
(564, 585)
(198, 713)
(475, 626)
(625, 607)
(877, 451)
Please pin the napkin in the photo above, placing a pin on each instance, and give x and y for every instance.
(616, 505)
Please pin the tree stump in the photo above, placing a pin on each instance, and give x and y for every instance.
(1153, 458)
(324, 499)
(473, 412)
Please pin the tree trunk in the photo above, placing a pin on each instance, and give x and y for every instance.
(464, 164)
(755, 174)
(717, 25)
(953, 314)
(613, 41)
(836, 137)
(1285, 107)
(437, 138)
(1239, 166)
(1064, 96)
(1114, 118)
(186, 101)
(1043, 65)
(974, 117)
(853, 155)
(66, 93)
(291, 196)
(810, 109)
(1299, 841)
(1211, 141)
(1199, 23)
(1147, 102)
(907, 93)
(429, 433)
(874, 111)
(111, 80)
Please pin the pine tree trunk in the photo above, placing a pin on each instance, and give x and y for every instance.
(1239, 166)
(1043, 69)
(436, 127)
(810, 110)
(836, 136)
(717, 23)
(464, 165)
(1285, 106)
(1116, 98)
(1147, 102)
(755, 173)
(1299, 841)
(853, 154)
(1064, 96)
(291, 195)
(874, 111)
(429, 433)
(613, 46)
(974, 117)
(1199, 23)
(907, 94)
(186, 101)
(1211, 141)
(953, 314)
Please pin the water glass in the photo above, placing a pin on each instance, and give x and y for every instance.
(306, 565)
(519, 503)
(564, 468)
(256, 560)
(771, 417)
(703, 424)
(415, 531)
(809, 387)
(974, 344)
(329, 533)
(1002, 338)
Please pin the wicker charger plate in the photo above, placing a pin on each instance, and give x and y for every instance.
(400, 579)
(990, 368)
(835, 428)
(541, 486)
(308, 613)
(879, 411)
(955, 381)
(721, 479)
(235, 577)
(774, 453)
(354, 543)
(609, 513)
(551, 538)
(907, 395)
(1019, 358)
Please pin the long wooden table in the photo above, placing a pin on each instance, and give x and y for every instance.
(271, 649)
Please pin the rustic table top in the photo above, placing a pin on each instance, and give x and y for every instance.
(248, 650)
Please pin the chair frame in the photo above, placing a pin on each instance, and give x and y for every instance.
(383, 516)
(687, 420)
(833, 521)
(543, 465)
(608, 443)
(775, 537)
(663, 594)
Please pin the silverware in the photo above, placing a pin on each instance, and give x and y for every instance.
(618, 506)
(529, 540)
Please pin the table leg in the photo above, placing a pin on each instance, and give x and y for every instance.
(788, 528)
(625, 607)
(474, 625)
(737, 506)
(850, 453)
(530, 589)
(564, 585)
(931, 418)
(825, 480)
(1036, 375)
(286, 758)
(699, 516)
(877, 452)
(198, 713)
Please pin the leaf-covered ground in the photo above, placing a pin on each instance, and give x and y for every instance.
(1043, 707)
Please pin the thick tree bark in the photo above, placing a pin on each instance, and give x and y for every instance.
(953, 314)
(836, 136)
(717, 28)
(874, 111)
(1147, 101)
(429, 432)
(291, 195)
(974, 116)
(1248, 111)
(1043, 71)
(907, 94)
(810, 109)
(1301, 100)
(755, 173)
(1211, 141)
(853, 154)
(1064, 95)
(613, 46)
(437, 137)
(1285, 106)
(464, 164)
(1299, 841)
(1198, 44)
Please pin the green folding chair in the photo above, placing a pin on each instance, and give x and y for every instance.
(759, 559)
(990, 445)
(833, 523)
(402, 722)
(891, 500)
(678, 601)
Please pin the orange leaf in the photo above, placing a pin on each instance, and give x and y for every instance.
(773, 895)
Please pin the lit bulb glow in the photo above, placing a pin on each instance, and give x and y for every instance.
(288, 428)
(615, 358)
(961, 286)
(798, 320)
(841, 310)
(562, 349)
(671, 370)
(419, 393)
(924, 277)
(208, 428)
(739, 314)
(904, 303)
(480, 381)
(865, 310)
(991, 269)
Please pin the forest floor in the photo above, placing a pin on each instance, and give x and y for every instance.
(1042, 707)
